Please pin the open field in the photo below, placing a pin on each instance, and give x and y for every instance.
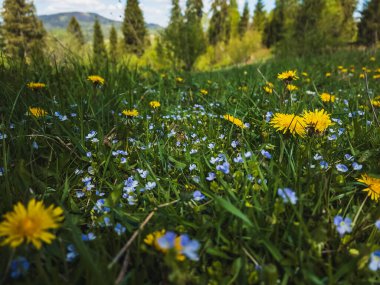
(180, 193)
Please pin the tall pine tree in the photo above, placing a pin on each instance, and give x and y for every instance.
(307, 31)
(259, 17)
(99, 48)
(279, 29)
(134, 27)
(172, 37)
(234, 18)
(23, 32)
(193, 41)
(220, 26)
(244, 21)
(369, 26)
(75, 30)
(113, 51)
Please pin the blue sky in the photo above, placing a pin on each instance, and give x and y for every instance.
(155, 11)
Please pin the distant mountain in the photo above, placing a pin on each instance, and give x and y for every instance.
(57, 23)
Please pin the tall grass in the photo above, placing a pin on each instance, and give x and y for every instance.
(248, 235)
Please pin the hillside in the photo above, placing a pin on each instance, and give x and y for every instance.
(57, 23)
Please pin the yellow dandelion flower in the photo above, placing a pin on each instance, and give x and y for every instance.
(151, 239)
(325, 97)
(373, 186)
(179, 79)
(96, 79)
(203, 91)
(344, 70)
(376, 76)
(328, 74)
(340, 67)
(131, 113)
(37, 112)
(154, 104)
(305, 74)
(36, 86)
(289, 75)
(372, 58)
(291, 87)
(317, 121)
(375, 103)
(30, 224)
(234, 120)
(288, 123)
(361, 75)
(268, 89)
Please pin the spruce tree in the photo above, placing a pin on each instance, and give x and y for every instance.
(99, 49)
(134, 27)
(279, 30)
(74, 29)
(113, 44)
(220, 26)
(273, 31)
(23, 32)
(193, 36)
(369, 26)
(244, 21)
(310, 38)
(259, 17)
(234, 18)
(172, 36)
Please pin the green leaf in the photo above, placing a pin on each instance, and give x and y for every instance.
(233, 210)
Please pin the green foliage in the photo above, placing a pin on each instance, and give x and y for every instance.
(314, 26)
(193, 42)
(134, 29)
(233, 18)
(259, 17)
(244, 20)
(99, 48)
(23, 32)
(113, 45)
(369, 26)
(183, 41)
(247, 233)
(219, 29)
(237, 51)
(75, 30)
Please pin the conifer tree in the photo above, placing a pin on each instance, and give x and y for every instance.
(99, 48)
(74, 29)
(193, 36)
(259, 17)
(369, 26)
(134, 28)
(113, 44)
(220, 26)
(173, 35)
(23, 32)
(349, 25)
(244, 21)
(309, 36)
(234, 18)
(274, 28)
(279, 30)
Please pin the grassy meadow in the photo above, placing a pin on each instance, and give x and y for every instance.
(158, 186)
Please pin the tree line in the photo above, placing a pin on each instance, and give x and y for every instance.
(292, 27)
